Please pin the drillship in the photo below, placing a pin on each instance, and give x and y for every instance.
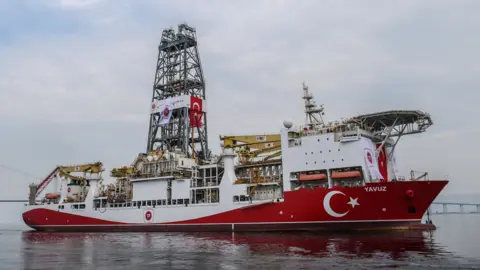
(335, 175)
(340, 175)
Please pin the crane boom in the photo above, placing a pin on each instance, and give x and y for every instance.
(252, 146)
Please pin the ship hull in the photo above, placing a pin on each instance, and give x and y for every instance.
(243, 227)
(380, 206)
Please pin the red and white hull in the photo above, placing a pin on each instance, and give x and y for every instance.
(390, 205)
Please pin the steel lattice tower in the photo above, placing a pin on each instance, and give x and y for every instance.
(178, 73)
(313, 113)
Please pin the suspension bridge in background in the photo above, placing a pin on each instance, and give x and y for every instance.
(454, 208)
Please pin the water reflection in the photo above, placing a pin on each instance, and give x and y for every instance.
(203, 250)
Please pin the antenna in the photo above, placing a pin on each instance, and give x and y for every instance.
(313, 113)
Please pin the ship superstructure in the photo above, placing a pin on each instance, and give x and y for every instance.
(316, 176)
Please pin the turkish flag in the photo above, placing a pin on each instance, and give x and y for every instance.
(195, 111)
(382, 162)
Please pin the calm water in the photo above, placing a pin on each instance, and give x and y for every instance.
(455, 245)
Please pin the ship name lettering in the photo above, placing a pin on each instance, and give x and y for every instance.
(375, 189)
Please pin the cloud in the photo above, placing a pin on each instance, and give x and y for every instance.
(75, 85)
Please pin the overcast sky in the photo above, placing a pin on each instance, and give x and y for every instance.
(76, 76)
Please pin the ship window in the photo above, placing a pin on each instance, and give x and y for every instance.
(315, 162)
(159, 202)
(135, 204)
(129, 204)
(180, 201)
(327, 138)
(318, 140)
(149, 203)
(342, 159)
(339, 149)
(324, 161)
(306, 163)
(186, 201)
(164, 202)
(144, 203)
(174, 201)
(82, 206)
(320, 152)
(333, 160)
(235, 198)
(312, 153)
(305, 153)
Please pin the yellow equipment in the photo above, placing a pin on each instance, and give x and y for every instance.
(250, 147)
(64, 171)
(122, 171)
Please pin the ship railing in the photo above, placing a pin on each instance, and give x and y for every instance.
(305, 131)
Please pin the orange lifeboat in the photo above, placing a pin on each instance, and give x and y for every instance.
(52, 195)
(343, 175)
(313, 177)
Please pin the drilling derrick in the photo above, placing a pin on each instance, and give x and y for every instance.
(178, 113)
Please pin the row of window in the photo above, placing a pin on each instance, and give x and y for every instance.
(321, 152)
(73, 206)
(333, 160)
(152, 203)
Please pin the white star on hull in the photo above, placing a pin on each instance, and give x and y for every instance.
(353, 202)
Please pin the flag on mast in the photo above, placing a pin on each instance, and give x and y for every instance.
(196, 112)
(166, 112)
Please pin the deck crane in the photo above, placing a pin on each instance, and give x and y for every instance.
(255, 156)
(65, 172)
(249, 147)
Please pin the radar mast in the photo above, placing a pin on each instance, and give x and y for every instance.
(313, 113)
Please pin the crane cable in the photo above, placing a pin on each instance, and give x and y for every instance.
(19, 172)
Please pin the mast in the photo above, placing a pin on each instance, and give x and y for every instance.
(313, 113)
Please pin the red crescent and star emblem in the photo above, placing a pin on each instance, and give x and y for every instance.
(148, 215)
(153, 106)
(165, 112)
(328, 207)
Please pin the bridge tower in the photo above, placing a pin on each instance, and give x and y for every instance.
(178, 113)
